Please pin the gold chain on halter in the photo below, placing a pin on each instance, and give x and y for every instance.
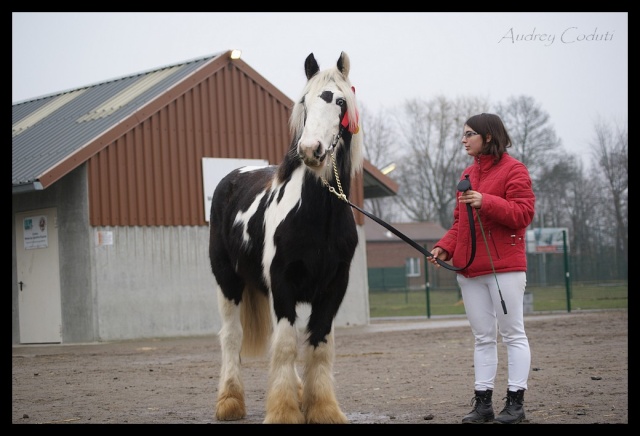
(341, 195)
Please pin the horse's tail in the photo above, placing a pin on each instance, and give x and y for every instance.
(257, 325)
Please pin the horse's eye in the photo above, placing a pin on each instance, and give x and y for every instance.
(341, 102)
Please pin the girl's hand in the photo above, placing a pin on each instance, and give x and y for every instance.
(474, 198)
(438, 253)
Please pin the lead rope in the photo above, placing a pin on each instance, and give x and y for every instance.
(504, 306)
(397, 232)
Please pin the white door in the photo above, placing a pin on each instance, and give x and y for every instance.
(39, 301)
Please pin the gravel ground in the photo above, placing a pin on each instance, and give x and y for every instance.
(406, 371)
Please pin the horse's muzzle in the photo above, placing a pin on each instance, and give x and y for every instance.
(312, 156)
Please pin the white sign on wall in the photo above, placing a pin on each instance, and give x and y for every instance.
(36, 234)
(214, 169)
(104, 238)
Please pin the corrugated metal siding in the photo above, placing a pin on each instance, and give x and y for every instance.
(152, 175)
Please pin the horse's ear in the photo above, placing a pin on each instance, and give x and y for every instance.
(344, 65)
(310, 66)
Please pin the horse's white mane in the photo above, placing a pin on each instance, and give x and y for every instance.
(314, 86)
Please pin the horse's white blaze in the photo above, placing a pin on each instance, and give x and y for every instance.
(276, 213)
(242, 218)
(320, 129)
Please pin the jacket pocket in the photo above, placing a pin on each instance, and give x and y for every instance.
(507, 243)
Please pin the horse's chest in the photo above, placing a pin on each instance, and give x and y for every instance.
(308, 245)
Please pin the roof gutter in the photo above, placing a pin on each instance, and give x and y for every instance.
(29, 187)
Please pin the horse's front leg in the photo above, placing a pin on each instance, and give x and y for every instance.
(283, 399)
(319, 401)
(230, 405)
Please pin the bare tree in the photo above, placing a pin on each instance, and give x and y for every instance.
(565, 197)
(552, 190)
(434, 159)
(610, 151)
(534, 140)
(425, 143)
(381, 150)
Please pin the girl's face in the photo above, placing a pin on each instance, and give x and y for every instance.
(472, 141)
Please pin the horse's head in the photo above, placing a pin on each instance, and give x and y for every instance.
(325, 118)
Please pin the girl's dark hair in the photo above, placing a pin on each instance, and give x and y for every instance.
(491, 124)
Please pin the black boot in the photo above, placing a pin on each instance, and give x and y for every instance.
(482, 408)
(513, 411)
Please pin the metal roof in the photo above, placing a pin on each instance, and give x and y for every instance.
(55, 133)
(50, 129)
(376, 184)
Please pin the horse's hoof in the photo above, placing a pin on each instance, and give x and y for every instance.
(269, 420)
(285, 417)
(230, 409)
(330, 420)
(329, 415)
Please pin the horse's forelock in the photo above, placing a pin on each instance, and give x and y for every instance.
(296, 122)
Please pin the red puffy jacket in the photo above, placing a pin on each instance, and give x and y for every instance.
(507, 210)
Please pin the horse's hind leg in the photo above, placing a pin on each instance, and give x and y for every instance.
(230, 405)
(283, 398)
(319, 401)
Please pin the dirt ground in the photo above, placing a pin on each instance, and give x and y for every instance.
(413, 371)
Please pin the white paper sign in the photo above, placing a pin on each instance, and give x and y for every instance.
(104, 238)
(36, 234)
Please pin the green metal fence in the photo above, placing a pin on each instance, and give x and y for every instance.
(554, 283)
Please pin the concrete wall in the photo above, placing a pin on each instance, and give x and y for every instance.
(139, 282)
(157, 282)
(154, 282)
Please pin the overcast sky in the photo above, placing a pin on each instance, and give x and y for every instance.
(574, 64)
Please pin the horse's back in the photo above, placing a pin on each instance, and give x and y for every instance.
(238, 188)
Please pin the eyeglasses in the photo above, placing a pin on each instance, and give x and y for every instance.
(469, 134)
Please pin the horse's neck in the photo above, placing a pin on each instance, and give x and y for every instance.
(343, 163)
(341, 159)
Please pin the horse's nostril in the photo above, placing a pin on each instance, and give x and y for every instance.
(320, 153)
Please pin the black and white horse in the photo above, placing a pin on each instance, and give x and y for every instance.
(279, 236)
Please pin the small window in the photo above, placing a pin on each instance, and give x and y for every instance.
(413, 267)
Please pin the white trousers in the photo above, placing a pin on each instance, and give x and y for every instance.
(486, 317)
